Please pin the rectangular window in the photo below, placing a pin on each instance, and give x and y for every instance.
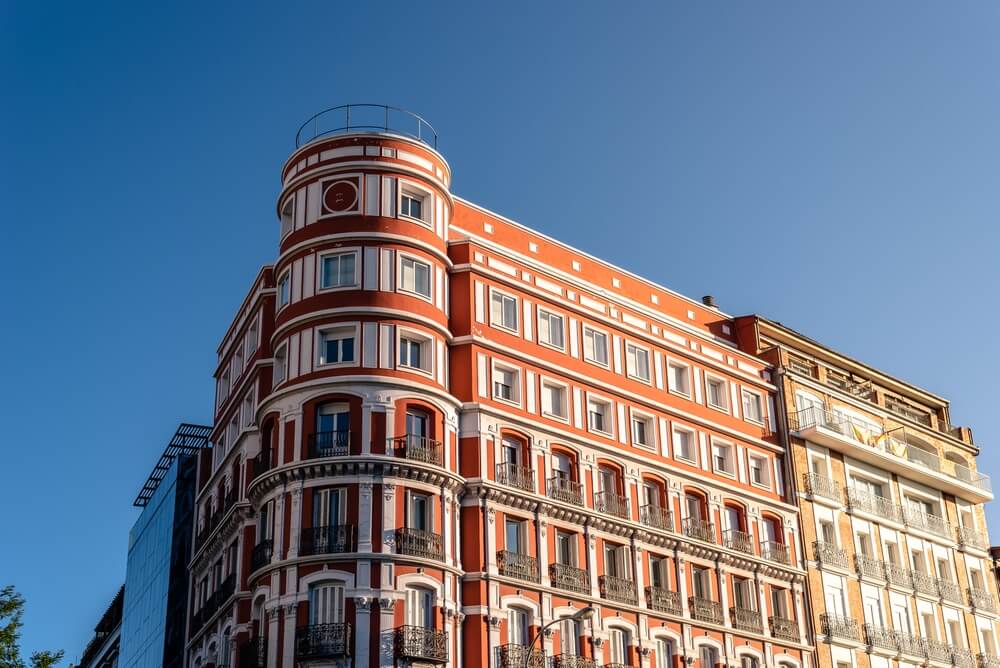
(336, 346)
(637, 362)
(679, 378)
(565, 548)
(716, 389)
(599, 416)
(684, 445)
(753, 408)
(280, 371)
(503, 310)
(506, 384)
(338, 270)
(251, 344)
(415, 276)
(554, 400)
(411, 353)
(284, 289)
(722, 457)
(550, 329)
(595, 346)
(759, 471)
(515, 532)
(643, 430)
(411, 205)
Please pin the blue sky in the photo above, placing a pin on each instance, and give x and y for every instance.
(833, 167)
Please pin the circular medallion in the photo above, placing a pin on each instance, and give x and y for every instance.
(340, 196)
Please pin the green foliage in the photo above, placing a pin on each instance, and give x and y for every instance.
(11, 614)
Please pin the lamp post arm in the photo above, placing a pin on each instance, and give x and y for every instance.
(527, 654)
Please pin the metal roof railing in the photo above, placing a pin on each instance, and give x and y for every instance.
(366, 118)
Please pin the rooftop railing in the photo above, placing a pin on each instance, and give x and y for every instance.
(349, 118)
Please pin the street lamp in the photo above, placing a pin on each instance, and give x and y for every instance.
(582, 613)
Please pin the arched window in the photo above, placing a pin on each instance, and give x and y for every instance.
(665, 651)
(519, 626)
(333, 425)
(513, 451)
(618, 646)
(420, 607)
(736, 535)
(569, 637)
(708, 656)
(653, 511)
(225, 649)
(326, 603)
(749, 661)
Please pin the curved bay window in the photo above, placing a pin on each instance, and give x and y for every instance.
(514, 468)
(654, 511)
(563, 485)
(332, 435)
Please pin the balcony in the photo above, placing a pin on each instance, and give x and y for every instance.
(334, 539)
(741, 541)
(987, 661)
(418, 449)
(963, 658)
(938, 526)
(664, 600)
(838, 627)
(416, 643)
(981, 599)
(572, 661)
(517, 565)
(253, 653)
(970, 537)
(746, 619)
(261, 464)
(894, 449)
(328, 444)
(898, 576)
(949, 591)
(784, 629)
(610, 503)
(419, 543)
(938, 651)
(873, 504)
(819, 485)
(323, 641)
(519, 656)
(657, 517)
(705, 610)
(774, 551)
(910, 644)
(617, 589)
(260, 556)
(699, 529)
(924, 584)
(828, 554)
(569, 578)
(869, 568)
(879, 638)
(512, 475)
(566, 490)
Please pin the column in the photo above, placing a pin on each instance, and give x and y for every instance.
(362, 629)
(680, 571)
(591, 566)
(799, 611)
(388, 518)
(296, 521)
(542, 543)
(365, 515)
(637, 571)
(366, 429)
(299, 446)
(491, 538)
(447, 526)
(761, 603)
(279, 527)
(272, 632)
(387, 623)
(288, 647)
(723, 592)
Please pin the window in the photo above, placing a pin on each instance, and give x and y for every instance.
(569, 637)
(338, 271)
(595, 346)
(665, 653)
(417, 424)
(759, 472)
(753, 408)
(779, 602)
(420, 607)
(288, 217)
(550, 329)
(716, 388)
(418, 515)
(554, 400)
(637, 362)
(747, 661)
(565, 548)
(618, 650)
(643, 430)
(658, 572)
(506, 384)
(326, 603)
(562, 466)
(722, 457)
(616, 561)
(280, 370)
(333, 419)
(284, 289)
(336, 346)
(415, 351)
(251, 345)
(699, 580)
(518, 626)
(708, 657)
(411, 205)
(744, 593)
(503, 310)
(415, 276)
(679, 378)
(514, 533)
(684, 445)
(599, 415)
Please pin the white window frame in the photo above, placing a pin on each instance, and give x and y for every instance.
(414, 190)
(287, 216)
(730, 457)
(710, 378)
(607, 347)
(630, 370)
(252, 341)
(427, 352)
(608, 415)
(744, 392)
(279, 373)
(693, 443)
(400, 257)
(649, 422)
(548, 382)
(515, 384)
(285, 276)
(765, 469)
(346, 331)
(321, 257)
(672, 364)
(547, 314)
(494, 293)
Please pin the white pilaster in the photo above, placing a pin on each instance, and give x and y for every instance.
(365, 515)
(362, 629)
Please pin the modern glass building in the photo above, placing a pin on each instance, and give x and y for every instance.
(153, 621)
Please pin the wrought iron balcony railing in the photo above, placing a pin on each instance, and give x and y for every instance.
(963, 658)
(938, 651)
(569, 578)
(970, 537)
(988, 661)
(416, 643)
(335, 539)
(949, 591)
(657, 517)
(837, 626)
(776, 552)
(261, 463)
(828, 554)
(981, 599)
(260, 556)
(869, 567)
(699, 529)
(705, 610)
(328, 444)
(323, 641)
(612, 504)
(820, 485)
(898, 576)
(517, 565)
(572, 661)
(911, 644)
(419, 543)
(880, 638)
(873, 504)
(519, 656)
(785, 629)
(746, 619)
(664, 600)
(513, 475)
(565, 490)
(925, 584)
(418, 449)
(741, 541)
(917, 519)
(617, 589)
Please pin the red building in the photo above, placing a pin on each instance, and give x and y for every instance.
(438, 431)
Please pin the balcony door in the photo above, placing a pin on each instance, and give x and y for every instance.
(734, 518)
(420, 607)
(651, 494)
(515, 536)
(418, 512)
(265, 523)
(658, 572)
(519, 627)
(565, 548)
(699, 583)
(708, 656)
(511, 452)
(693, 506)
(616, 561)
(608, 479)
(333, 418)
(562, 467)
(618, 646)
(779, 602)
(834, 595)
(873, 610)
(417, 424)
(569, 637)
(744, 593)
(326, 603)
(329, 508)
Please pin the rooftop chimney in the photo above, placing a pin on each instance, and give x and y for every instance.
(709, 301)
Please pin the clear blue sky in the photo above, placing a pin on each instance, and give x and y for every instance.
(834, 167)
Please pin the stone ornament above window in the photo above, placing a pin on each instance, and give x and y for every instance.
(340, 196)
